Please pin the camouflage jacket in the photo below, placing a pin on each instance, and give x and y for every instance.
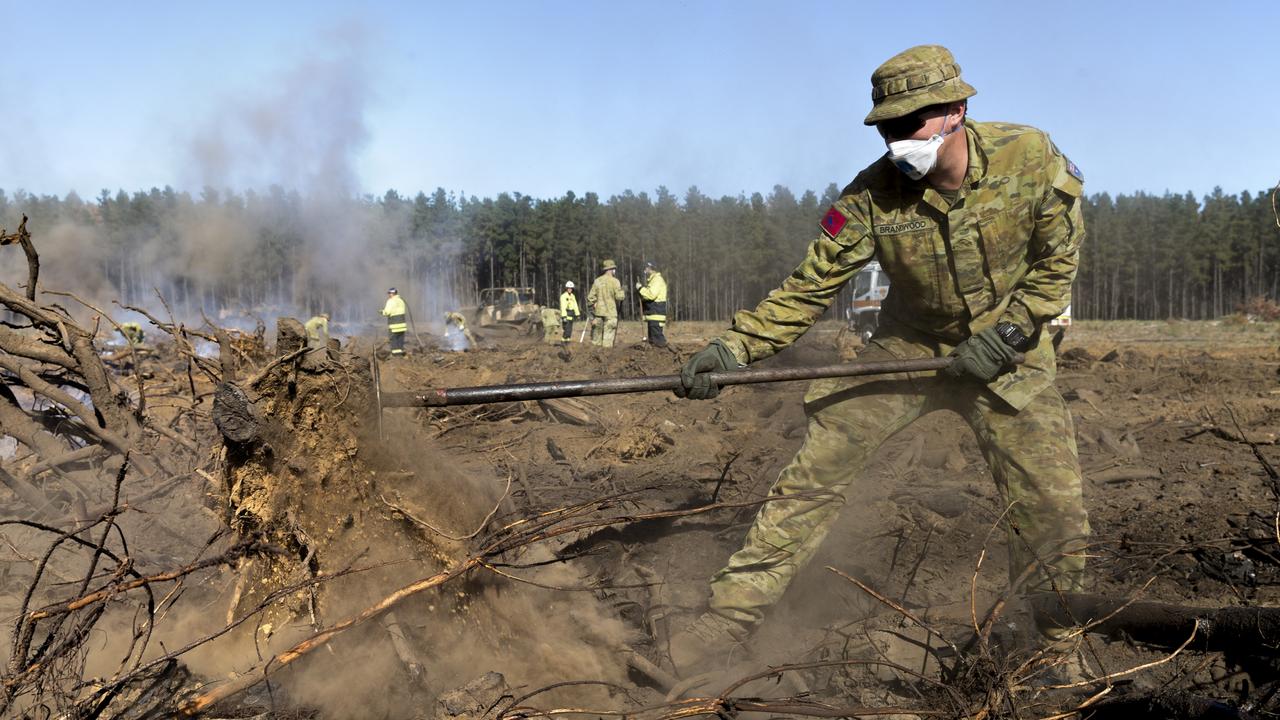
(1006, 251)
(604, 296)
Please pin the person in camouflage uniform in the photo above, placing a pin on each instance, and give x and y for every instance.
(603, 299)
(981, 248)
(552, 332)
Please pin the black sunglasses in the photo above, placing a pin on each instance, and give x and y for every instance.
(907, 125)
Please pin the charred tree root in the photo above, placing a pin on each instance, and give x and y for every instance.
(1248, 630)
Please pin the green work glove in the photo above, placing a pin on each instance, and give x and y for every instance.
(695, 376)
(982, 357)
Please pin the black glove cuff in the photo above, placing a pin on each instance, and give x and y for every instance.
(1013, 336)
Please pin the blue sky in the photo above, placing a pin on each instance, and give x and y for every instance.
(545, 97)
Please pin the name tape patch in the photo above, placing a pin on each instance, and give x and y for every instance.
(833, 222)
(902, 227)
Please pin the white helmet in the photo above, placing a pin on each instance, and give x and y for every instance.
(568, 284)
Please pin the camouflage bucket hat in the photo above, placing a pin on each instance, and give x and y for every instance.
(915, 78)
(609, 265)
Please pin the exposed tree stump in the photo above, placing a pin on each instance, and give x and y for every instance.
(290, 336)
(234, 414)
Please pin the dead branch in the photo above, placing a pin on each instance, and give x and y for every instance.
(137, 371)
(895, 606)
(181, 343)
(23, 238)
(1108, 678)
(229, 557)
(266, 370)
(29, 493)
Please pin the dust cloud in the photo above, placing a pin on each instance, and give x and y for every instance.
(276, 221)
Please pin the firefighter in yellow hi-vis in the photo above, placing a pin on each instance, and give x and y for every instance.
(317, 331)
(653, 304)
(569, 312)
(395, 311)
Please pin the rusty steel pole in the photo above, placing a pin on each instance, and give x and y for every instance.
(440, 397)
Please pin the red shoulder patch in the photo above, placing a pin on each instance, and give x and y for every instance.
(833, 222)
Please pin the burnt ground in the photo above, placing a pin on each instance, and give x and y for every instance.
(1180, 505)
(1177, 425)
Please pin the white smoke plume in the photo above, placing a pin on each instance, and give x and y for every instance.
(281, 224)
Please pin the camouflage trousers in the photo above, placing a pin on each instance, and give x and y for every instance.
(1031, 453)
(604, 330)
(551, 330)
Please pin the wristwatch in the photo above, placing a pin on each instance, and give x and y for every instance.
(1013, 337)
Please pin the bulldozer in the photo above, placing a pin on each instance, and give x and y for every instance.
(505, 306)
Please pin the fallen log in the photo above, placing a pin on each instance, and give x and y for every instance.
(1247, 630)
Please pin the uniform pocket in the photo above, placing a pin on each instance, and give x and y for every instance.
(1006, 258)
(917, 263)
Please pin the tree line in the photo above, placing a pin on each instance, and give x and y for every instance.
(1146, 256)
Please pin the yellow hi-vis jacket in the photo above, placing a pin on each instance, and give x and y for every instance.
(395, 312)
(569, 306)
(456, 320)
(317, 330)
(653, 298)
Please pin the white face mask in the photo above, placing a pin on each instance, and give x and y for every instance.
(917, 158)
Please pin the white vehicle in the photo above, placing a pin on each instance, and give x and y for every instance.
(1058, 327)
(870, 286)
(1063, 320)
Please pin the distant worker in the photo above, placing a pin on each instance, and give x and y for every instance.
(550, 326)
(455, 325)
(653, 304)
(132, 332)
(395, 311)
(317, 331)
(569, 312)
(603, 299)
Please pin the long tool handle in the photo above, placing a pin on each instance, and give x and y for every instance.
(440, 397)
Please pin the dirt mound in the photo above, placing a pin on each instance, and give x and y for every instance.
(358, 507)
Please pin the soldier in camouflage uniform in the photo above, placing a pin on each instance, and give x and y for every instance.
(603, 299)
(979, 227)
(552, 332)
